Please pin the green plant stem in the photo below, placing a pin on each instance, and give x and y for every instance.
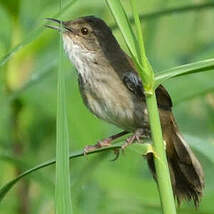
(144, 148)
(161, 165)
(62, 189)
(146, 73)
(141, 47)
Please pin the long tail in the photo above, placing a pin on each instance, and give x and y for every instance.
(186, 173)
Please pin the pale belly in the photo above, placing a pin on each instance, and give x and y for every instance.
(120, 108)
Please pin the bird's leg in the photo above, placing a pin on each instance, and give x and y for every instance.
(137, 136)
(104, 143)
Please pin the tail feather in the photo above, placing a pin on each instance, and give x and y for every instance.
(186, 173)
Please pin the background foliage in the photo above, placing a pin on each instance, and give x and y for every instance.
(28, 108)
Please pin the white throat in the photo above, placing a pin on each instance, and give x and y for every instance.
(79, 56)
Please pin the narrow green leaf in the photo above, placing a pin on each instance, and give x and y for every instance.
(146, 74)
(142, 54)
(204, 65)
(197, 143)
(63, 203)
(123, 23)
(5, 188)
(161, 166)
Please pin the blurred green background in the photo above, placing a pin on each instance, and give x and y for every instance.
(28, 108)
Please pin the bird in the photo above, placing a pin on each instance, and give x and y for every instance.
(112, 90)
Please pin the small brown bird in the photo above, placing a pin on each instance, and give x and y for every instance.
(112, 90)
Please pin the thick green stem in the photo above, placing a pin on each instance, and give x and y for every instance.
(161, 166)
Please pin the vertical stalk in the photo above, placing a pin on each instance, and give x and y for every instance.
(136, 47)
(161, 165)
(62, 190)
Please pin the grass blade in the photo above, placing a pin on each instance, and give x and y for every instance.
(205, 65)
(146, 74)
(63, 203)
(144, 148)
(4, 189)
(161, 166)
(141, 56)
(124, 25)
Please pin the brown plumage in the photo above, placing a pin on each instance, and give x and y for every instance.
(111, 89)
(186, 173)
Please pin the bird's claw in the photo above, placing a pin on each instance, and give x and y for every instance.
(117, 154)
(89, 148)
(132, 139)
(100, 144)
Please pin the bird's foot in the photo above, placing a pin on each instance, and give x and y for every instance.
(137, 136)
(100, 144)
(104, 143)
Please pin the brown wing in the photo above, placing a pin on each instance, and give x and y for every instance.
(163, 98)
(134, 84)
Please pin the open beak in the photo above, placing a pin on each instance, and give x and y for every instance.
(60, 27)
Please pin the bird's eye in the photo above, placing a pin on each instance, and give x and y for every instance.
(84, 31)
